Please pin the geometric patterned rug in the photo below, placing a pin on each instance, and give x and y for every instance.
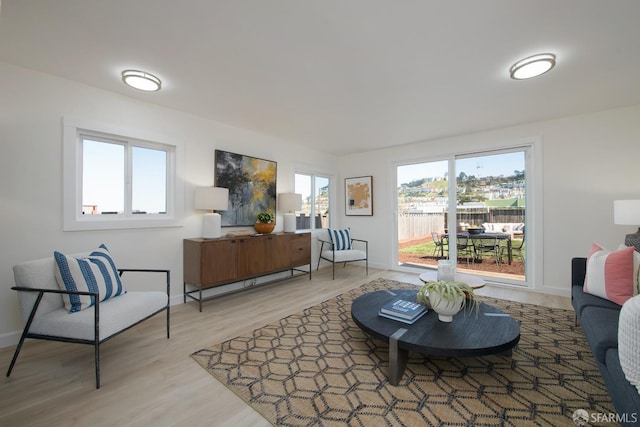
(317, 368)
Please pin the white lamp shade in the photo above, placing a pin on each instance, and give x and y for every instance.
(290, 202)
(212, 198)
(626, 212)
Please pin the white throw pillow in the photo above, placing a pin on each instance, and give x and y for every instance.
(636, 272)
(629, 340)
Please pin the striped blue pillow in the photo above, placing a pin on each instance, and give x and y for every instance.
(95, 273)
(341, 239)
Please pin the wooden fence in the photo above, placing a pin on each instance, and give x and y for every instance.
(419, 225)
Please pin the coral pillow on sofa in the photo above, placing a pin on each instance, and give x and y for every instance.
(610, 274)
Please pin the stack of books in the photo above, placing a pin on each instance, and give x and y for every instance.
(403, 310)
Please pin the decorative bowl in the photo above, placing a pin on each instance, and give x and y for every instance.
(475, 230)
(264, 228)
(446, 309)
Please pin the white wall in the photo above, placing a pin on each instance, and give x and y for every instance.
(588, 161)
(31, 109)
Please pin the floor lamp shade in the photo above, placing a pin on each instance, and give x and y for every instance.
(290, 202)
(212, 199)
(627, 212)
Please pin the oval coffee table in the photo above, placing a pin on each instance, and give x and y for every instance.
(491, 332)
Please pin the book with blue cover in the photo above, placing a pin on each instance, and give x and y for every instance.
(400, 319)
(403, 309)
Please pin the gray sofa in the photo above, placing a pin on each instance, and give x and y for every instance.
(599, 320)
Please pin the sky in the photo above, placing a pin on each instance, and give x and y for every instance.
(104, 175)
(303, 185)
(479, 166)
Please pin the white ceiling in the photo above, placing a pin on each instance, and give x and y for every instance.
(341, 75)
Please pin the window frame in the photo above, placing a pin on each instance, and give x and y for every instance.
(74, 131)
(313, 176)
(532, 146)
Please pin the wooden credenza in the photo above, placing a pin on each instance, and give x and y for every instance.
(208, 263)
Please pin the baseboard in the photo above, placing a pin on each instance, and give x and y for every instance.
(9, 339)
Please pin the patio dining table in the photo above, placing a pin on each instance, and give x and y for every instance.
(478, 236)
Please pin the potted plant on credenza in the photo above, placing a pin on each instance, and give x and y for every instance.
(265, 223)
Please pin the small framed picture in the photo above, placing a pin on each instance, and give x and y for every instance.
(358, 196)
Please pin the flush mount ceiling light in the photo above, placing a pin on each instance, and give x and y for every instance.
(141, 80)
(532, 66)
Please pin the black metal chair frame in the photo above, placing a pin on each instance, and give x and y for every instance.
(96, 341)
(518, 248)
(333, 262)
(440, 243)
(480, 247)
(464, 246)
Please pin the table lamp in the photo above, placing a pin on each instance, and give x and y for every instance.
(212, 199)
(627, 212)
(290, 202)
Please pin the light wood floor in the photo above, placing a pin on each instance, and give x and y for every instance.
(148, 380)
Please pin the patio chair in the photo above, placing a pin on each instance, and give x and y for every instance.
(517, 248)
(340, 249)
(465, 248)
(440, 244)
(488, 245)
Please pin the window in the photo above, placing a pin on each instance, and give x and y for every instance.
(104, 189)
(316, 198)
(117, 181)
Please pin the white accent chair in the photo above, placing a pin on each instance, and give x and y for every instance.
(329, 253)
(46, 317)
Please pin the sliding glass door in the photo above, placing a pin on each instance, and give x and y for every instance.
(485, 232)
(423, 197)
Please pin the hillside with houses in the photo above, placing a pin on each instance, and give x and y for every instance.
(430, 194)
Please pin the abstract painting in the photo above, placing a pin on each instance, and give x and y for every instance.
(251, 183)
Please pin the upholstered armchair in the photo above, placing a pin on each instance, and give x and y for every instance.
(338, 247)
(81, 299)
